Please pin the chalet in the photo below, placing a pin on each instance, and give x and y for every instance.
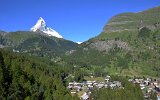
(146, 82)
(71, 83)
(142, 86)
(107, 79)
(95, 83)
(91, 76)
(118, 84)
(85, 96)
(90, 86)
(137, 81)
(146, 96)
(89, 83)
(70, 87)
(73, 91)
(149, 79)
(130, 80)
(155, 83)
(106, 85)
(141, 80)
(158, 95)
(113, 85)
(100, 85)
(151, 88)
(77, 84)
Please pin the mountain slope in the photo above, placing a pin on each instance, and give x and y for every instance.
(36, 43)
(122, 48)
(133, 21)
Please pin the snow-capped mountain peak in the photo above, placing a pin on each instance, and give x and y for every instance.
(41, 26)
(79, 42)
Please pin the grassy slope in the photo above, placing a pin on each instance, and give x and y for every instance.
(132, 21)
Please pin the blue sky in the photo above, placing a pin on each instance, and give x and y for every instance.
(76, 20)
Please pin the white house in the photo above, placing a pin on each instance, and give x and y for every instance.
(85, 96)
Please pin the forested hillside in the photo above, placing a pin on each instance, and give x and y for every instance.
(27, 77)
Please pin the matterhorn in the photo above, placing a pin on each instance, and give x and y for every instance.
(41, 26)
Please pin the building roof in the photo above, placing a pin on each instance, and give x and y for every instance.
(84, 96)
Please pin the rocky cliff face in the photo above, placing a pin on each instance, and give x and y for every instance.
(107, 45)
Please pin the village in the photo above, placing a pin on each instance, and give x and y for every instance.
(148, 86)
(84, 89)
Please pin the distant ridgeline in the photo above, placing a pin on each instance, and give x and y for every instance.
(35, 43)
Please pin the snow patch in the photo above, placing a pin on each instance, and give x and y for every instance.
(79, 42)
(41, 26)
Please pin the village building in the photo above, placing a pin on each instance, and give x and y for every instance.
(158, 95)
(85, 96)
